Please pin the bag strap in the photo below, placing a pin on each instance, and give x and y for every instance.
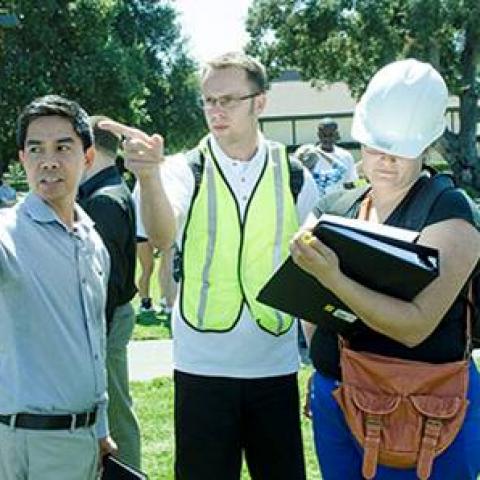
(469, 322)
(429, 193)
(426, 455)
(371, 446)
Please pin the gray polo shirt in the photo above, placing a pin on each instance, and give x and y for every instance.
(52, 301)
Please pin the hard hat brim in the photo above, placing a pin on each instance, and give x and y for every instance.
(407, 148)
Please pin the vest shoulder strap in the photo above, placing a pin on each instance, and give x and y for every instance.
(196, 161)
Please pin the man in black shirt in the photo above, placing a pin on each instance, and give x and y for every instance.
(106, 198)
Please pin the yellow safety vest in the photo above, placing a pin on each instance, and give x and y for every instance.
(226, 261)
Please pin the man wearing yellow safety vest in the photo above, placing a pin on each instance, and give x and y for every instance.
(233, 204)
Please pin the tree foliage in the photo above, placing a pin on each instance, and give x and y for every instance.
(349, 40)
(122, 58)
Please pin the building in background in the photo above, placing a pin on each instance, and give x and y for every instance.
(295, 107)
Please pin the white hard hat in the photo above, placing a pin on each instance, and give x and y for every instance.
(402, 111)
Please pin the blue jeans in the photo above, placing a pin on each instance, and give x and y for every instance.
(340, 456)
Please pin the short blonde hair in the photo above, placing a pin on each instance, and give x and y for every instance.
(255, 71)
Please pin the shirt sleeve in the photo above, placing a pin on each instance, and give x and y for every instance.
(451, 204)
(308, 196)
(101, 425)
(3, 257)
(140, 229)
(113, 227)
(179, 184)
(349, 162)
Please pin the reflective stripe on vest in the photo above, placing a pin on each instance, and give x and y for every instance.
(227, 262)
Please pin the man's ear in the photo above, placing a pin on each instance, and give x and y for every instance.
(260, 103)
(89, 157)
(21, 156)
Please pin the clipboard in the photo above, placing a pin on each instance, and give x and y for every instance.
(115, 469)
(380, 257)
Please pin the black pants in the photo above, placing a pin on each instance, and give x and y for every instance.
(217, 419)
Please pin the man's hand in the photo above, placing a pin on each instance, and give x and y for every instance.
(106, 445)
(143, 153)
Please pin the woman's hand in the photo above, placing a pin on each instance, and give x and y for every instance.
(315, 258)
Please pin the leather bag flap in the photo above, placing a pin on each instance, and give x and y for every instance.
(374, 403)
(437, 407)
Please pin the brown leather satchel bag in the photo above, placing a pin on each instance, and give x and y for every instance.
(403, 413)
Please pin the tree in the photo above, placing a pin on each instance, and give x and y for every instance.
(349, 40)
(100, 54)
(172, 104)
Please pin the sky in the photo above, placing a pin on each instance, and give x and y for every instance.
(214, 26)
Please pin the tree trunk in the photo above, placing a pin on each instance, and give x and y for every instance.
(468, 172)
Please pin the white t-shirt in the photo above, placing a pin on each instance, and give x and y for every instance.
(246, 351)
(330, 176)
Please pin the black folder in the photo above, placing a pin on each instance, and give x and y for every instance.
(379, 258)
(115, 469)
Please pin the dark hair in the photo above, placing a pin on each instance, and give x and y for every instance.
(255, 71)
(104, 139)
(54, 105)
(327, 122)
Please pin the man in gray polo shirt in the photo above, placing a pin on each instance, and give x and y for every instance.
(53, 277)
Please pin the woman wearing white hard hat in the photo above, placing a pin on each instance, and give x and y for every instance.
(400, 115)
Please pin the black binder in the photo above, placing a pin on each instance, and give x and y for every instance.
(377, 256)
(115, 469)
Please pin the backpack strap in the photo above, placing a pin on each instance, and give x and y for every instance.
(295, 168)
(425, 199)
(196, 161)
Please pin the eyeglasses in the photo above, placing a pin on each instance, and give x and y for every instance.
(226, 102)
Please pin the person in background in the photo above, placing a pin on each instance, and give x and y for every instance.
(332, 167)
(146, 254)
(233, 204)
(106, 198)
(53, 283)
(146, 257)
(8, 195)
(400, 115)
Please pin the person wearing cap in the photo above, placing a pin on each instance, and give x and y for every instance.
(400, 115)
(53, 279)
(235, 201)
(106, 198)
(332, 167)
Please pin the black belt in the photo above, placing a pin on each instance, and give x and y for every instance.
(33, 421)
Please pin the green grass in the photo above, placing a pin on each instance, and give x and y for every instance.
(154, 405)
(150, 327)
